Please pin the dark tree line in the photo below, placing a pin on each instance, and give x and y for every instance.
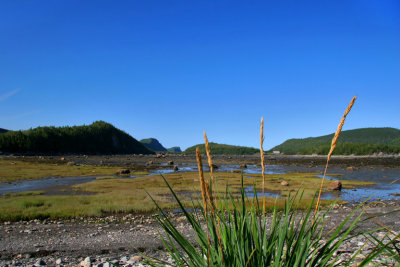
(223, 149)
(346, 149)
(365, 141)
(98, 138)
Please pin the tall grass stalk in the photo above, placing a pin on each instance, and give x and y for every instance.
(262, 160)
(333, 145)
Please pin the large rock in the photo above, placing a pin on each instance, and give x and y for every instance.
(335, 185)
(243, 166)
(123, 171)
(284, 183)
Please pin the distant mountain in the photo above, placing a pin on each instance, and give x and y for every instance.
(223, 149)
(175, 149)
(362, 141)
(153, 144)
(3, 130)
(98, 138)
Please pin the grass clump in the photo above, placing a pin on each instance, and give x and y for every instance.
(236, 234)
(23, 194)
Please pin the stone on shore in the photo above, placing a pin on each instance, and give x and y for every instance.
(123, 171)
(335, 185)
(284, 183)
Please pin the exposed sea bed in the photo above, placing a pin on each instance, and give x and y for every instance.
(387, 180)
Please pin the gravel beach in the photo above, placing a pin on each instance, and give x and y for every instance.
(122, 240)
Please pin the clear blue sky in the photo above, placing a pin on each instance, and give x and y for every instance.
(171, 69)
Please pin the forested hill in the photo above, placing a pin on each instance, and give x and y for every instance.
(174, 149)
(223, 149)
(362, 141)
(153, 144)
(3, 130)
(98, 138)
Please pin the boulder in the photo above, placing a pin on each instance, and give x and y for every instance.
(170, 162)
(176, 168)
(284, 183)
(243, 166)
(123, 171)
(335, 185)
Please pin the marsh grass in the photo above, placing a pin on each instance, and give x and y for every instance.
(121, 195)
(16, 170)
(23, 194)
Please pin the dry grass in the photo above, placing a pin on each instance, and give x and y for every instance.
(333, 145)
(262, 159)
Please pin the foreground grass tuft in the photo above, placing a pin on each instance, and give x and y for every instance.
(236, 235)
(241, 235)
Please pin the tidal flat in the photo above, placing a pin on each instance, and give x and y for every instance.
(108, 218)
(100, 192)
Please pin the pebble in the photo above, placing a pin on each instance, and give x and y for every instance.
(40, 262)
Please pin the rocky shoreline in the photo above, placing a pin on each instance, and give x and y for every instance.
(154, 161)
(123, 240)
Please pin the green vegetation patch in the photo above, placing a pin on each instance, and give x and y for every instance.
(153, 144)
(363, 141)
(121, 195)
(99, 137)
(24, 194)
(12, 170)
(223, 149)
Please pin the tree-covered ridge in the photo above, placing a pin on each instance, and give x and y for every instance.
(3, 130)
(98, 138)
(174, 149)
(223, 149)
(153, 144)
(363, 141)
